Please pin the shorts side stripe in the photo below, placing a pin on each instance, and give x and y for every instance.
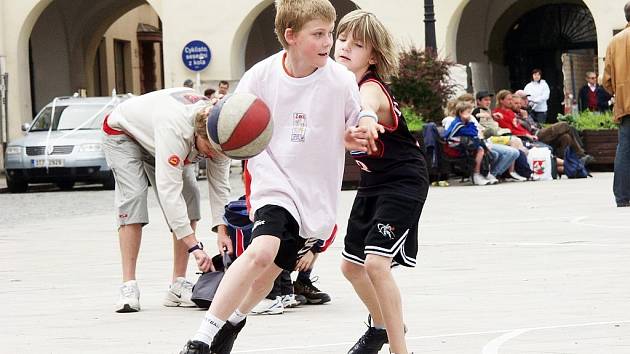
(391, 251)
(352, 258)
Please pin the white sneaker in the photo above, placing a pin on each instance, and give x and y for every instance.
(492, 179)
(479, 179)
(269, 307)
(517, 177)
(129, 300)
(289, 301)
(179, 294)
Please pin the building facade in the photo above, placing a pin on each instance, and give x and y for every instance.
(51, 48)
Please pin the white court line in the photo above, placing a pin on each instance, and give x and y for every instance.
(460, 334)
(493, 346)
(580, 221)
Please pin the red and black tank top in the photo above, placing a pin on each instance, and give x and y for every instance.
(398, 167)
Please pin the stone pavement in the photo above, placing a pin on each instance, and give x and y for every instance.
(513, 268)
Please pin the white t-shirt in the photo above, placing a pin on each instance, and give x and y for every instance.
(302, 168)
(162, 122)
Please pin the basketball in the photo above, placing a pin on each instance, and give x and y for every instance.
(240, 126)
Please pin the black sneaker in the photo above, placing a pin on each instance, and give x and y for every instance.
(224, 340)
(371, 342)
(313, 295)
(195, 347)
(301, 299)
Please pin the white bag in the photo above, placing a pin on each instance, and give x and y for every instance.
(539, 159)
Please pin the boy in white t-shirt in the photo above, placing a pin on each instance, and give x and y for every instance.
(296, 181)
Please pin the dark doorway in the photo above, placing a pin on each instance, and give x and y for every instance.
(147, 67)
(538, 40)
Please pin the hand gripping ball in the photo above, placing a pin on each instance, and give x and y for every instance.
(240, 126)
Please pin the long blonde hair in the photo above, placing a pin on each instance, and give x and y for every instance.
(365, 27)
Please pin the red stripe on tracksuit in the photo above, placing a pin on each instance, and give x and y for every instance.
(240, 241)
(330, 240)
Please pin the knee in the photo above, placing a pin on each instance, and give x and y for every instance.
(352, 271)
(377, 266)
(259, 258)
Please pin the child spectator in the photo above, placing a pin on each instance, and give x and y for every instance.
(463, 127)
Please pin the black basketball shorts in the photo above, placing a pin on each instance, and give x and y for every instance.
(384, 225)
(273, 220)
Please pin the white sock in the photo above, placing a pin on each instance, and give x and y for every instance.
(379, 326)
(236, 317)
(209, 328)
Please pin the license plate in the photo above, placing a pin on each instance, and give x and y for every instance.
(51, 163)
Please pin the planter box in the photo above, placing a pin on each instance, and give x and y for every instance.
(602, 145)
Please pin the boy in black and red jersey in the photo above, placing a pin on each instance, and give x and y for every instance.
(383, 224)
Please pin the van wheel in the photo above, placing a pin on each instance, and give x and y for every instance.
(16, 185)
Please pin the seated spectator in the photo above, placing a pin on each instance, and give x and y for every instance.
(592, 96)
(558, 135)
(489, 121)
(462, 127)
(507, 117)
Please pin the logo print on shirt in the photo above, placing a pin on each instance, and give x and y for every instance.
(173, 160)
(258, 223)
(298, 132)
(386, 230)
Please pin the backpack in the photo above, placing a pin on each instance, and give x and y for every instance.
(573, 166)
(239, 226)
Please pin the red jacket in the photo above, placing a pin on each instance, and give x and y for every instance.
(507, 122)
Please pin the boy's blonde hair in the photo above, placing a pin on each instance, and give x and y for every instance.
(365, 27)
(201, 123)
(295, 14)
(467, 97)
(462, 106)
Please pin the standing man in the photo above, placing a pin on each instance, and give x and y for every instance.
(617, 82)
(538, 92)
(155, 137)
(592, 96)
(224, 87)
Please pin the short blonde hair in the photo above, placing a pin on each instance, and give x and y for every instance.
(462, 106)
(467, 97)
(294, 14)
(450, 107)
(365, 27)
(201, 123)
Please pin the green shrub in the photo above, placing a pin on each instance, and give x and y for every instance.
(589, 120)
(415, 123)
(423, 83)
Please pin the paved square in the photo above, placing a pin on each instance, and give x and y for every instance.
(513, 268)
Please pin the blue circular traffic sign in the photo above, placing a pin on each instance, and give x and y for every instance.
(196, 55)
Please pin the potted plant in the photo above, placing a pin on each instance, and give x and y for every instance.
(599, 134)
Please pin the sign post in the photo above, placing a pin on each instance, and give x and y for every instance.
(196, 56)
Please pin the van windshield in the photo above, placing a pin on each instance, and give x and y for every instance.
(70, 117)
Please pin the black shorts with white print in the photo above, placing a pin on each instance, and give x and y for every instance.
(385, 225)
(276, 221)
